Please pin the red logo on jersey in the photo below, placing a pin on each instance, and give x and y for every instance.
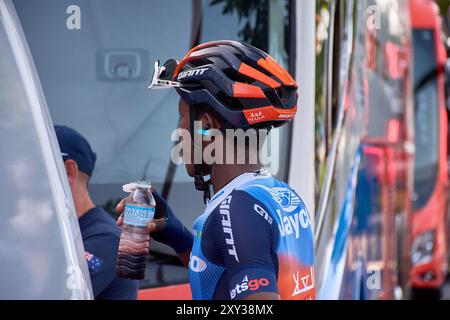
(295, 280)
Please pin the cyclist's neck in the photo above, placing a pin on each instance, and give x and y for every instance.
(221, 174)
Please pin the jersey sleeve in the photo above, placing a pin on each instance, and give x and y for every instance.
(246, 239)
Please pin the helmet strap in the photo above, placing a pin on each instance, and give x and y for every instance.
(201, 184)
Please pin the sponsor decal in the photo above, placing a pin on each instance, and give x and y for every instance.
(224, 210)
(192, 72)
(290, 225)
(253, 117)
(285, 116)
(217, 196)
(196, 264)
(285, 197)
(289, 202)
(263, 213)
(252, 285)
(303, 282)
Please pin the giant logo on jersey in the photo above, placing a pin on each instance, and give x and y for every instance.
(286, 198)
(226, 226)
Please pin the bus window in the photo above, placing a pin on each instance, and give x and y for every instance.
(331, 35)
(87, 80)
(426, 116)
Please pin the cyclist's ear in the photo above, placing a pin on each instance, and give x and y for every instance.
(209, 121)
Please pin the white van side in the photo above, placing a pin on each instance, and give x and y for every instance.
(41, 250)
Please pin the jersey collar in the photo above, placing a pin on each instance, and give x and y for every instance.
(220, 195)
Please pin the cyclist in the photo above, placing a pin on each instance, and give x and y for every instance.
(254, 239)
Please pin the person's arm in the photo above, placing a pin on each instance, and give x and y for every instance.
(185, 257)
(166, 228)
(263, 296)
(246, 240)
(101, 254)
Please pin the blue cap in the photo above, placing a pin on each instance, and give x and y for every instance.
(74, 146)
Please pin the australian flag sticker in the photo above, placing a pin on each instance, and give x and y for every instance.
(94, 263)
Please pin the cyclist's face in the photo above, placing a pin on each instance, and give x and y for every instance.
(206, 120)
(183, 109)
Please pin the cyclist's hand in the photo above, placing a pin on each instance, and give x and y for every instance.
(165, 227)
(119, 209)
(152, 226)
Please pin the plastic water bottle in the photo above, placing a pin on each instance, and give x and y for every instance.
(134, 241)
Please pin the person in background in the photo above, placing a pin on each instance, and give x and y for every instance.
(100, 233)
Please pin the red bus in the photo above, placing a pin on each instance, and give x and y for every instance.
(429, 247)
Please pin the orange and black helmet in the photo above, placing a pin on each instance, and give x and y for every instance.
(243, 84)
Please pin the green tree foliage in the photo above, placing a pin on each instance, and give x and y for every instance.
(443, 6)
(253, 14)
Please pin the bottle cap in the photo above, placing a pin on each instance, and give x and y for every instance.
(132, 186)
(129, 187)
(143, 185)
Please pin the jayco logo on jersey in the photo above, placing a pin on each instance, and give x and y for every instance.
(196, 264)
(289, 201)
(290, 224)
(286, 198)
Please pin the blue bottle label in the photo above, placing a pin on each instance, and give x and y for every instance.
(138, 216)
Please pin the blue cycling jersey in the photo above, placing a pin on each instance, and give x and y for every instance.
(255, 236)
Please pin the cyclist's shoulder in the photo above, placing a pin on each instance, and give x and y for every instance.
(270, 191)
(262, 183)
(239, 206)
